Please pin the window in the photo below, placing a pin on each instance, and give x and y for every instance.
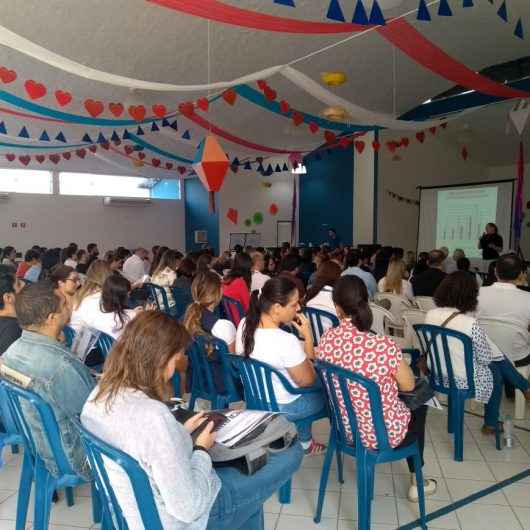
(166, 189)
(26, 181)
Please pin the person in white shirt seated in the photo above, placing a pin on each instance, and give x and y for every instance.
(456, 298)
(319, 294)
(70, 253)
(449, 263)
(134, 268)
(394, 281)
(258, 278)
(166, 273)
(260, 337)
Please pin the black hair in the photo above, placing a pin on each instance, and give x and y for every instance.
(70, 251)
(458, 289)
(463, 264)
(35, 303)
(60, 273)
(278, 290)
(238, 248)
(31, 254)
(90, 247)
(351, 295)
(50, 259)
(7, 250)
(494, 226)
(186, 268)
(241, 268)
(332, 230)
(352, 258)
(7, 286)
(289, 263)
(509, 267)
(115, 296)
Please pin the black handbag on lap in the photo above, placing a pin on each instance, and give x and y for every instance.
(419, 396)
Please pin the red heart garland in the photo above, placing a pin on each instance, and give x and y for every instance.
(344, 142)
(405, 141)
(169, 166)
(6, 75)
(284, 106)
(128, 149)
(376, 145)
(137, 112)
(313, 127)
(262, 84)
(230, 96)
(25, 159)
(67, 155)
(273, 209)
(203, 104)
(392, 145)
(464, 153)
(116, 109)
(155, 162)
(55, 158)
(297, 118)
(40, 158)
(359, 145)
(270, 94)
(81, 153)
(432, 130)
(105, 146)
(92, 148)
(141, 156)
(330, 137)
(181, 170)
(420, 136)
(159, 110)
(94, 108)
(35, 90)
(63, 97)
(443, 125)
(10, 157)
(186, 108)
(232, 215)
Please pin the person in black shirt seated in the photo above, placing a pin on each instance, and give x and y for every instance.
(10, 331)
(425, 283)
(490, 242)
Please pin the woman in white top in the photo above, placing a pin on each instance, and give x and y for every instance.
(394, 282)
(319, 295)
(9, 255)
(127, 410)
(165, 273)
(457, 298)
(260, 337)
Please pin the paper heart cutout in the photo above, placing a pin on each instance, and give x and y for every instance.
(313, 127)
(35, 90)
(181, 170)
(67, 155)
(232, 215)
(359, 146)
(92, 148)
(344, 142)
(169, 166)
(284, 106)
(392, 145)
(273, 209)
(432, 130)
(330, 137)
(137, 112)
(40, 158)
(186, 108)
(24, 159)
(6, 75)
(63, 97)
(443, 125)
(420, 136)
(203, 104)
(93, 107)
(155, 162)
(159, 110)
(464, 153)
(297, 118)
(116, 109)
(270, 94)
(230, 96)
(55, 158)
(81, 153)
(262, 84)
(405, 141)
(105, 146)
(141, 156)
(10, 157)
(376, 145)
(128, 149)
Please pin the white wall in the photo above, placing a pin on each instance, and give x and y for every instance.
(364, 192)
(57, 220)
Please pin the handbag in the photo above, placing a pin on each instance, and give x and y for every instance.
(416, 398)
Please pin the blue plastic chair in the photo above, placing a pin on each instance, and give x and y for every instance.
(104, 343)
(208, 356)
(256, 377)
(45, 482)
(317, 318)
(183, 299)
(434, 342)
(112, 515)
(336, 381)
(69, 336)
(232, 310)
(158, 296)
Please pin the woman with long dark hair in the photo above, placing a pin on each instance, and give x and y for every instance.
(9, 255)
(319, 295)
(66, 280)
(259, 336)
(239, 279)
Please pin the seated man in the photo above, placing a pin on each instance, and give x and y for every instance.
(49, 369)
(425, 283)
(9, 329)
(352, 268)
(503, 301)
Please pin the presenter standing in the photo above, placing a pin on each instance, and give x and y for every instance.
(490, 242)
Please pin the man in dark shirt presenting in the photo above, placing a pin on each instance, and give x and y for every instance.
(491, 242)
(9, 329)
(425, 283)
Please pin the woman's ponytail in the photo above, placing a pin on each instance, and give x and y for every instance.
(252, 321)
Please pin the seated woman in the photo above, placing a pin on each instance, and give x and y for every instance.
(127, 410)
(457, 298)
(66, 280)
(238, 280)
(166, 273)
(259, 336)
(354, 347)
(394, 281)
(319, 295)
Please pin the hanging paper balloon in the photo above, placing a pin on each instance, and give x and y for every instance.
(232, 215)
(333, 78)
(137, 163)
(273, 209)
(257, 218)
(248, 222)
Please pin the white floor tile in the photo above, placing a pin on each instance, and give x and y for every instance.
(446, 451)
(463, 488)
(515, 454)
(272, 505)
(465, 470)
(488, 518)
(523, 514)
(345, 524)
(297, 522)
(6, 524)
(503, 470)
(270, 521)
(518, 494)
(409, 511)
(383, 509)
(308, 478)
(430, 469)
(304, 502)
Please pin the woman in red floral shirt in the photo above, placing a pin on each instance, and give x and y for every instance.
(354, 347)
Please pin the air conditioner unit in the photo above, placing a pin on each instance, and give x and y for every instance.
(4, 196)
(126, 201)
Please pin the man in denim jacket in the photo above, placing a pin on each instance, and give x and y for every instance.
(54, 373)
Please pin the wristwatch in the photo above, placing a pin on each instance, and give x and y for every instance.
(200, 448)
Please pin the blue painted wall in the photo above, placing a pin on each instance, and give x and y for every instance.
(326, 196)
(166, 189)
(197, 215)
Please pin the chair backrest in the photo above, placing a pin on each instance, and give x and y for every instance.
(209, 360)
(9, 432)
(398, 304)
(436, 342)
(425, 303)
(508, 336)
(158, 296)
(22, 401)
(69, 335)
(232, 309)
(337, 382)
(382, 319)
(411, 317)
(182, 298)
(320, 322)
(104, 343)
(257, 378)
(97, 452)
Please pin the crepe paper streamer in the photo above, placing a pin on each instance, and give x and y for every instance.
(232, 215)
(248, 222)
(376, 15)
(518, 32)
(221, 12)
(444, 9)
(359, 14)
(335, 11)
(502, 12)
(158, 150)
(257, 218)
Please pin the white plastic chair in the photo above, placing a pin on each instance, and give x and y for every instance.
(398, 304)
(411, 317)
(505, 335)
(425, 303)
(385, 324)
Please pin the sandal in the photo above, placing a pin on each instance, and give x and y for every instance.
(429, 488)
(315, 449)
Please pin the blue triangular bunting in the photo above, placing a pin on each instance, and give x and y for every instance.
(126, 135)
(3, 128)
(376, 15)
(518, 32)
(60, 137)
(101, 139)
(174, 125)
(444, 9)
(44, 136)
(278, 169)
(359, 15)
(155, 127)
(23, 133)
(165, 123)
(247, 165)
(235, 162)
(423, 12)
(502, 12)
(115, 137)
(186, 135)
(140, 131)
(288, 3)
(335, 11)
(269, 168)
(285, 167)
(467, 3)
(260, 168)
(86, 138)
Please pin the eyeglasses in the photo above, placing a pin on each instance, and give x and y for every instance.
(75, 280)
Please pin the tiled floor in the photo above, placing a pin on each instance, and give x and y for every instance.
(483, 466)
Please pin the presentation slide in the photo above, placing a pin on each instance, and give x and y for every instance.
(462, 214)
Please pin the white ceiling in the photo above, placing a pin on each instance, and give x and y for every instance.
(138, 39)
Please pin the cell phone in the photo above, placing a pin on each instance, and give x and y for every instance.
(218, 421)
